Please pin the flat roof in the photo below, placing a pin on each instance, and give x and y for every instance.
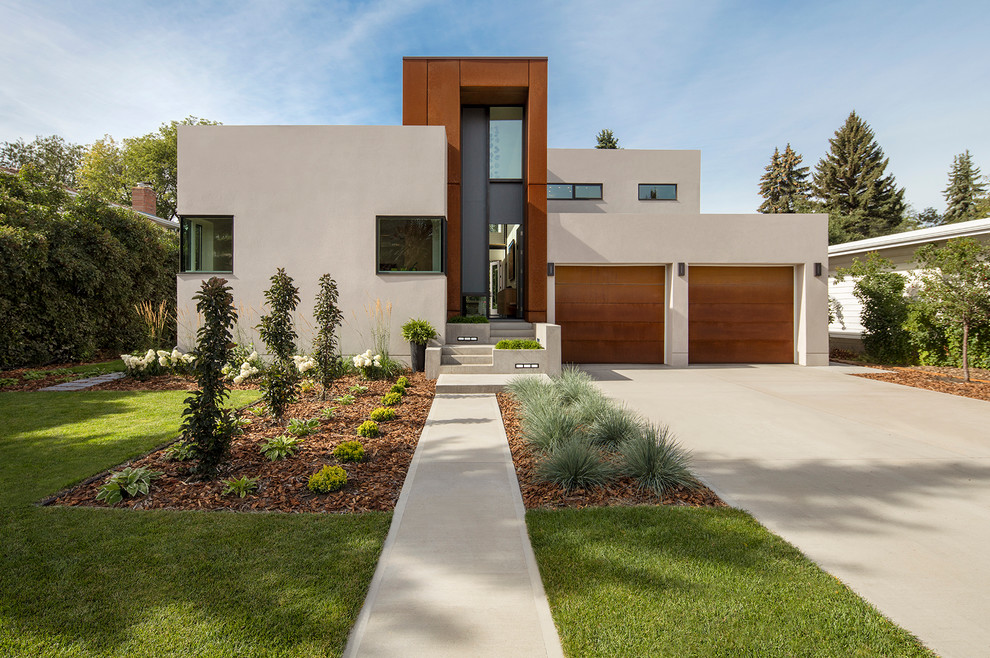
(461, 59)
(908, 238)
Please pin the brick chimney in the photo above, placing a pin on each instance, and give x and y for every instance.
(144, 199)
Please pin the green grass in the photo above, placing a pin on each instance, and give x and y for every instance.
(99, 582)
(93, 368)
(676, 581)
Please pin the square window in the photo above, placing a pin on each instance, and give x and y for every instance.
(207, 244)
(657, 191)
(410, 244)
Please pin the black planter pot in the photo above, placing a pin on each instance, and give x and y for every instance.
(418, 357)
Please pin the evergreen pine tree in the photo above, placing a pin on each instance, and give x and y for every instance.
(606, 140)
(849, 181)
(962, 196)
(784, 185)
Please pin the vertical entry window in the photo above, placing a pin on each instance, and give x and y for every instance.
(410, 244)
(658, 192)
(207, 244)
(505, 143)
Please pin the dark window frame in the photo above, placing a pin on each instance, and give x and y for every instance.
(443, 244)
(640, 196)
(574, 197)
(182, 243)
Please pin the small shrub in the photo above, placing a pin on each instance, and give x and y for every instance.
(524, 388)
(467, 319)
(328, 317)
(327, 479)
(280, 447)
(349, 451)
(32, 375)
(574, 464)
(7, 381)
(358, 389)
(256, 411)
(345, 399)
(179, 451)
(613, 426)
(329, 412)
(396, 388)
(368, 428)
(307, 386)
(517, 344)
(242, 486)
(126, 483)
(657, 461)
(418, 331)
(382, 414)
(590, 406)
(239, 424)
(573, 384)
(403, 381)
(300, 427)
(391, 399)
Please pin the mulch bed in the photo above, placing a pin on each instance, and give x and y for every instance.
(373, 485)
(622, 492)
(943, 380)
(49, 376)
(165, 383)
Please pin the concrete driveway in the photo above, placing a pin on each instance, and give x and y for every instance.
(886, 487)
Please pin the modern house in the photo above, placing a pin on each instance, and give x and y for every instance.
(846, 330)
(464, 210)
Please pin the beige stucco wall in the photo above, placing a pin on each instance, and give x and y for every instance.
(621, 171)
(642, 239)
(305, 198)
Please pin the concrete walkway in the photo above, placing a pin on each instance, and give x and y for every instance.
(80, 384)
(457, 575)
(886, 487)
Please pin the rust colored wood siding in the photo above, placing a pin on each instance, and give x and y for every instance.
(741, 315)
(610, 314)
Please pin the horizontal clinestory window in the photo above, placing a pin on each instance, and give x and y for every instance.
(207, 244)
(574, 190)
(658, 191)
(410, 244)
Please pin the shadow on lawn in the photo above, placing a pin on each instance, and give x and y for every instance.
(174, 582)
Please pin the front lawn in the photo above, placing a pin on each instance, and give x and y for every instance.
(86, 582)
(679, 581)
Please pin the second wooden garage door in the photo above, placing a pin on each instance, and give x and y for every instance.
(741, 315)
(610, 314)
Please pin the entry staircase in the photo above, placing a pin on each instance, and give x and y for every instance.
(476, 358)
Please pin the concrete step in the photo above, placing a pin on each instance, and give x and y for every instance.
(512, 333)
(475, 349)
(512, 324)
(466, 359)
(467, 369)
(477, 383)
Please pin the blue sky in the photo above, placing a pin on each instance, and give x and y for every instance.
(734, 79)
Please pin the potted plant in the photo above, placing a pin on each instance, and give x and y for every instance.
(418, 333)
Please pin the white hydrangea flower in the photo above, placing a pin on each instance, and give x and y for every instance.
(238, 379)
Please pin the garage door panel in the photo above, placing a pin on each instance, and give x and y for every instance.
(610, 314)
(585, 351)
(742, 351)
(742, 294)
(739, 331)
(612, 331)
(650, 275)
(741, 315)
(579, 312)
(603, 293)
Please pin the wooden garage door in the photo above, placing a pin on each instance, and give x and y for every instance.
(610, 314)
(741, 315)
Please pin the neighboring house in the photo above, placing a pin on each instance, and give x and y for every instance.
(464, 210)
(845, 332)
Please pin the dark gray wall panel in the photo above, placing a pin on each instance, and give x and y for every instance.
(474, 184)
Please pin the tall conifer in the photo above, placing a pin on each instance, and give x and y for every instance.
(784, 185)
(850, 183)
(962, 196)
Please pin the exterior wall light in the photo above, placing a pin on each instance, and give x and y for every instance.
(549, 269)
(681, 269)
(818, 269)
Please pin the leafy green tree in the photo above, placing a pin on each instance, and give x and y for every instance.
(850, 183)
(964, 191)
(880, 290)
(606, 140)
(54, 158)
(110, 169)
(955, 285)
(207, 424)
(280, 382)
(325, 350)
(930, 217)
(785, 184)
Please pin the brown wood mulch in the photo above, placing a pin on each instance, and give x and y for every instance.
(373, 485)
(49, 376)
(943, 380)
(164, 383)
(622, 492)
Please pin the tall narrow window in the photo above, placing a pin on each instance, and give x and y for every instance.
(505, 143)
(207, 244)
